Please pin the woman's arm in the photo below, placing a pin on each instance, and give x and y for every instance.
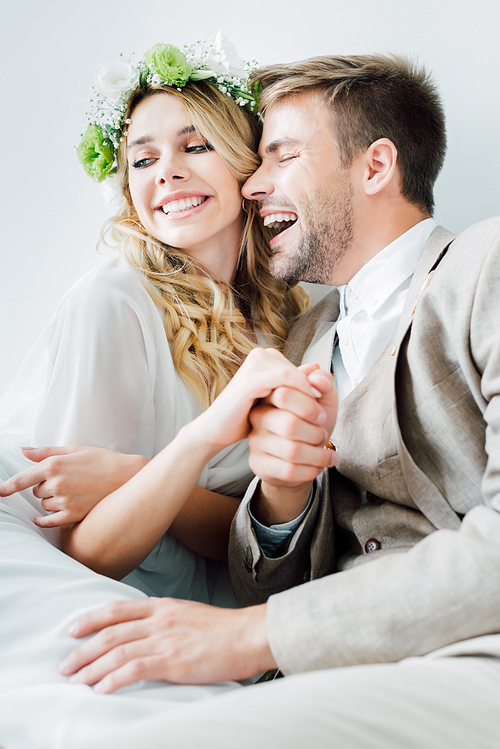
(123, 528)
(71, 481)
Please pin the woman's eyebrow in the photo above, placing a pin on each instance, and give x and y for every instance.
(140, 141)
(186, 130)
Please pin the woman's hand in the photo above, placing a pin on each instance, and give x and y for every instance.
(70, 481)
(263, 371)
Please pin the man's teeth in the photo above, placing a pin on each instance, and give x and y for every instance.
(176, 206)
(277, 218)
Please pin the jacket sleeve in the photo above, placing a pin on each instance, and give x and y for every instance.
(310, 554)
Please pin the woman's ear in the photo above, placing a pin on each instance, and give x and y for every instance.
(380, 166)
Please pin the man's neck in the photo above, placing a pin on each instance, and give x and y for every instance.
(374, 232)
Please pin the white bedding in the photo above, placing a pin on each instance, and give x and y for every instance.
(41, 592)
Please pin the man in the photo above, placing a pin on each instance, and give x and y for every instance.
(384, 577)
(399, 548)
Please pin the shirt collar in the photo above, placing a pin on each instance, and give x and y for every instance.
(370, 288)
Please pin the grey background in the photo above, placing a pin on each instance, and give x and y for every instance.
(51, 212)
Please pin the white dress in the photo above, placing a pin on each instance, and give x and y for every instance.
(102, 374)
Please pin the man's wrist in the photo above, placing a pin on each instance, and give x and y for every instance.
(256, 649)
(273, 505)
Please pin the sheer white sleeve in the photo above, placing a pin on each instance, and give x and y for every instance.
(91, 378)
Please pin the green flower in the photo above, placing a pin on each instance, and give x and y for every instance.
(96, 153)
(169, 64)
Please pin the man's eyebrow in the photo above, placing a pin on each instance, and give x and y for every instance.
(186, 130)
(279, 143)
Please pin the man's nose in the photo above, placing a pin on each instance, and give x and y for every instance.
(258, 185)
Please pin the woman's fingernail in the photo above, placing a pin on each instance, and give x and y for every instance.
(75, 679)
(321, 418)
(73, 629)
(316, 392)
(100, 687)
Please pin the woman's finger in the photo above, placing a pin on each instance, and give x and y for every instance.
(21, 481)
(42, 491)
(53, 521)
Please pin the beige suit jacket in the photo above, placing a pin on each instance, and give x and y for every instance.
(417, 567)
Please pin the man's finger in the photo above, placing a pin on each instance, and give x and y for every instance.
(298, 403)
(290, 451)
(286, 425)
(109, 640)
(325, 383)
(113, 613)
(134, 643)
(277, 472)
(151, 667)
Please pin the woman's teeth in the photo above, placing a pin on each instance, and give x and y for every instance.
(177, 206)
(274, 219)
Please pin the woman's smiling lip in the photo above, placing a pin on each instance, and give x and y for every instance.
(182, 204)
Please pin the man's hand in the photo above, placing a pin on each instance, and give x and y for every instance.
(70, 481)
(164, 638)
(289, 432)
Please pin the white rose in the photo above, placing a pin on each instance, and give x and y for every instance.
(114, 199)
(225, 59)
(116, 79)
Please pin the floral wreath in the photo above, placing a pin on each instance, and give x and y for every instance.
(214, 59)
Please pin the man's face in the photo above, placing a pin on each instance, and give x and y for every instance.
(306, 196)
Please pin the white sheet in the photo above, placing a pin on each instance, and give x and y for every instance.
(41, 592)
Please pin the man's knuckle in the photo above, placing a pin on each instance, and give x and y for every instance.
(137, 668)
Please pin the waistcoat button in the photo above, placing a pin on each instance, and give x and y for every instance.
(372, 545)
(371, 498)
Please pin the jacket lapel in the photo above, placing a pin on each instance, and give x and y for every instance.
(421, 489)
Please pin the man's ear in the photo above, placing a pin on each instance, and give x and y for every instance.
(380, 166)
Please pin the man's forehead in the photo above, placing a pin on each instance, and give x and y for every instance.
(292, 121)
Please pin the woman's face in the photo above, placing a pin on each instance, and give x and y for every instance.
(184, 194)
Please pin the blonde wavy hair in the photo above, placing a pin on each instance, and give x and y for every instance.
(209, 323)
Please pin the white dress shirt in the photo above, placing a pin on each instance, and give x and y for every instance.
(371, 305)
(370, 309)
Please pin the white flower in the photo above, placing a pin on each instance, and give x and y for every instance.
(116, 80)
(112, 194)
(223, 58)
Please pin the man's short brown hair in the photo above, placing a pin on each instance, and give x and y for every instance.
(372, 97)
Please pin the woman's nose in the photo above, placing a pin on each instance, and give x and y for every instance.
(169, 171)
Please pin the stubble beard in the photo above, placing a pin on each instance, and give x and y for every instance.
(327, 232)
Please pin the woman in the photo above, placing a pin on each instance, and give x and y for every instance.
(138, 349)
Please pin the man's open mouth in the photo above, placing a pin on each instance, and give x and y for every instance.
(278, 222)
